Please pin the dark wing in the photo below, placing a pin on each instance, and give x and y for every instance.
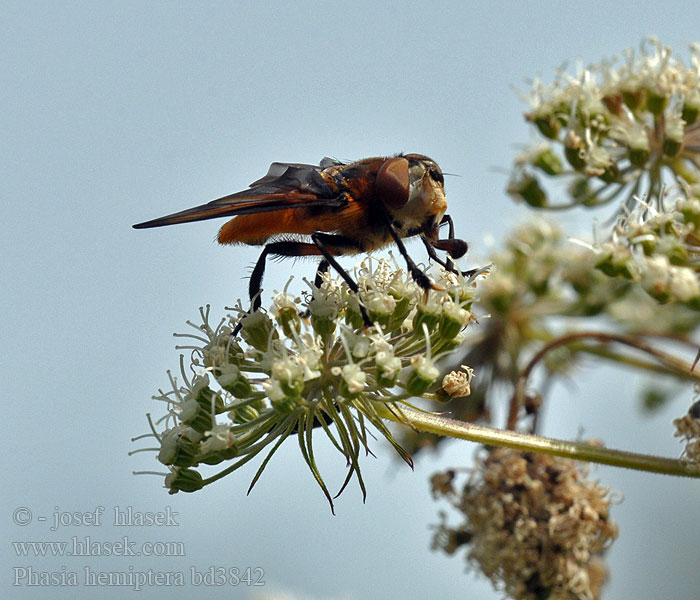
(286, 185)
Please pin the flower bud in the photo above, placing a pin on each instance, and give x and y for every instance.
(614, 103)
(690, 209)
(672, 247)
(234, 381)
(401, 310)
(194, 416)
(616, 261)
(359, 345)
(290, 376)
(673, 135)
(547, 161)
(196, 407)
(246, 412)
(633, 98)
(221, 350)
(353, 380)
(684, 286)
(281, 402)
(574, 151)
(388, 367)
(691, 107)
(380, 307)
(529, 190)
(453, 343)
(656, 102)
(324, 312)
(207, 398)
(638, 156)
(353, 315)
(422, 376)
(428, 314)
(219, 438)
(500, 291)
(611, 173)
(655, 278)
(322, 326)
(177, 448)
(548, 125)
(256, 330)
(452, 319)
(289, 320)
(183, 480)
(582, 192)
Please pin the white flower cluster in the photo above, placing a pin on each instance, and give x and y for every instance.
(308, 365)
(613, 124)
(660, 249)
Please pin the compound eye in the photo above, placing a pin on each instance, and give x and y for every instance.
(393, 182)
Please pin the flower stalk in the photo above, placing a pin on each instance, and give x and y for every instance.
(440, 425)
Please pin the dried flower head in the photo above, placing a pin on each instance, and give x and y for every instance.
(534, 525)
(309, 365)
(457, 384)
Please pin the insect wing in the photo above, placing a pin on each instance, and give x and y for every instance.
(285, 186)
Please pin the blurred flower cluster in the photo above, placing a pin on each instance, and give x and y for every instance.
(533, 524)
(615, 131)
(308, 364)
(542, 287)
(660, 249)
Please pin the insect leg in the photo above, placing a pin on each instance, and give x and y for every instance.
(451, 226)
(256, 277)
(447, 263)
(418, 276)
(283, 248)
(454, 247)
(322, 240)
(291, 248)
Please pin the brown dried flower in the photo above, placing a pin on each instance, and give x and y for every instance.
(535, 526)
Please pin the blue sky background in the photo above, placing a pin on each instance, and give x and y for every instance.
(112, 113)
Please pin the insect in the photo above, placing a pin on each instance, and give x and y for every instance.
(333, 209)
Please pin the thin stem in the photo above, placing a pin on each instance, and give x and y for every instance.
(439, 425)
(629, 361)
(673, 363)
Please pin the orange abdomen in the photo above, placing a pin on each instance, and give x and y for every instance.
(257, 229)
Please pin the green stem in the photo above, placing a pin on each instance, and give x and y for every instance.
(432, 423)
